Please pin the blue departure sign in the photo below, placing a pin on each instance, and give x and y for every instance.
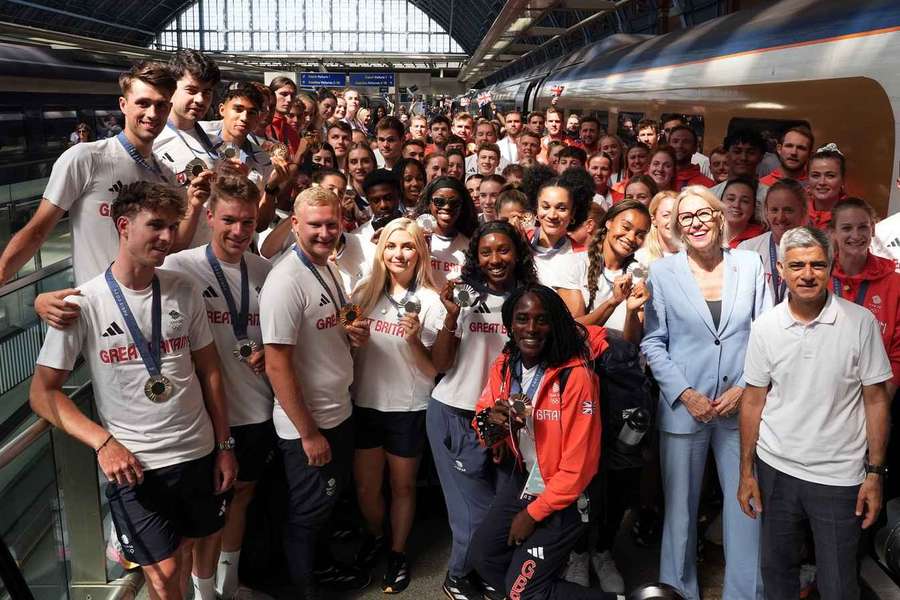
(324, 79)
(372, 79)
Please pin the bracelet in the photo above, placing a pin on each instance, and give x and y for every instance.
(444, 326)
(97, 451)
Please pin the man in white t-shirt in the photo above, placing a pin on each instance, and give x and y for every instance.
(85, 180)
(814, 424)
(745, 151)
(508, 149)
(163, 439)
(231, 278)
(309, 364)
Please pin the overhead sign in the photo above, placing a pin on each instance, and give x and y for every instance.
(323, 79)
(372, 79)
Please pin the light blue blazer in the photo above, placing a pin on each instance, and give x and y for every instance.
(684, 348)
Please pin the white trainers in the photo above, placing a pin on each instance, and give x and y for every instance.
(578, 570)
(607, 574)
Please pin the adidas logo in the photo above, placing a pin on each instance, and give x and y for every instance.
(323, 300)
(117, 187)
(537, 552)
(210, 292)
(483, 309)
(258, 290)
(112, 330)
(168, 157)
(894, 243)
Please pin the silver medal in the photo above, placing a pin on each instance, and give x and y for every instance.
(194, 168)
(158, 389)
(412, 306)
(639, 273)
(244, 349)
(427, 222)
(465, 295)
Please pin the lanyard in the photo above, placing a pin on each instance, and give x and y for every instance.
(409, 294)
(246, 149)
(201, 136)
(309, 265)
(515, 386)
(778, 284)
(238, 319)
(149, 352)
(136, 156)
(536, 239)
(860, 293)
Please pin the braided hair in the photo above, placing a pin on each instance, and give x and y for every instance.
(595, 251)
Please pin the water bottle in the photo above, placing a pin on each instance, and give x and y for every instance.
(637, 422)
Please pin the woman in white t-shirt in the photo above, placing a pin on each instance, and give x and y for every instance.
(562, 206)
(498, 260)
(393, 379)
(455, 219)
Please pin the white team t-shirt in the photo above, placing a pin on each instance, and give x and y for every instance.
(175, 148)
(159, 435)
(297, 311)
(560, 268)
(481, 338)
(85, 181)
(813, 424)
(760, 245)
(386, 377)
(448, 255)
(604, 292)
(886, 241)
(249, 395)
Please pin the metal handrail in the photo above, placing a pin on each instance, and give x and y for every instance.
(16, 446)
(33, 278)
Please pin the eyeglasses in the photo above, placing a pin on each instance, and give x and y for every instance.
(448, 203)
(704, 215)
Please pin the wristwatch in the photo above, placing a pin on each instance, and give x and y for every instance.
(226, 445)
(877, 469)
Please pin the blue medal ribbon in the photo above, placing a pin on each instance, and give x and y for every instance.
(860, 293)
(778, 284)
(515, 386)
(536, 240)
(238, 319)
(136, 156)
(312, 267)
(402, 302)
(150, 352)
(207, 144)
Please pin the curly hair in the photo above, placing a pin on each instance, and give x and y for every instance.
(524, 273)
(567, 338)
(467, 219)
(595, 251)
(145, 195)
(533, 179)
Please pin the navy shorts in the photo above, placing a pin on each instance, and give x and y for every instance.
(254, 447)
(399, 433)
(171, 503)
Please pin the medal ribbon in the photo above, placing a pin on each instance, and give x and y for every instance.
(860, 293)
(536, 240)
(312, 267)
(150, 352)
(201, 135)
(238, 319)
(515, 387)
(136, 156)
(409, 294)
(778, 284)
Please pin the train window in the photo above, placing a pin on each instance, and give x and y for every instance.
(12, 132)
(59, 125)
(108, 123)
(770, 129)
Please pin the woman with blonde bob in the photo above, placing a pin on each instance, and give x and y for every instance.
(661, 240)
(393, 379)
(697, 326)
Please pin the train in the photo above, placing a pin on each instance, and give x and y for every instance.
(831, 64)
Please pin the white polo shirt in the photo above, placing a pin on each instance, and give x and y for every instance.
(813, 425)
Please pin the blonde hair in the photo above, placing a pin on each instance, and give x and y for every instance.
(654, 245)
(317, 196)
(368, 292)
(712, 201)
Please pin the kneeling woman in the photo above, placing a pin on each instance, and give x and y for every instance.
(392, 385)
(541, 404)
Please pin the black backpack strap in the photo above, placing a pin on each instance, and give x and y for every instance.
(563, 378)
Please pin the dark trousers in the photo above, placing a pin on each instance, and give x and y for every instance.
(620, 491)
(831, 511)
(531, 570)
(312, 494)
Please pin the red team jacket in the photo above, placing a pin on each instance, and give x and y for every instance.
(566, 426)
(882, 299)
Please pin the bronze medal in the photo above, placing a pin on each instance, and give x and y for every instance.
(158, 389)
(348, 314)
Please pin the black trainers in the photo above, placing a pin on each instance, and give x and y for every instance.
(370, 551)
(343, 577)
(460, 588)
(396, 576)
(488, 592)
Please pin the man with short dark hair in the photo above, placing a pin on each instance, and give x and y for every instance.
(485, 133)
(745, 149)
(285, 91)
(814, 424)
(440, 132)
(793, 150)
(414, 148)
(648, 132)
(529, 146)
(463, 125)
(163, 440)
(536, 120)
(683, 140)
(588, 135)
(570, 157)
(508, 149)
(389, 137)
(384, 192)
(340, 136)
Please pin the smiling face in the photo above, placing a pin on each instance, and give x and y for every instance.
(456, 166)
(662, 219)
(600, 169)
(554, 211)
(326, 108)
(784, 210)
(718, 164)
(739, 202)
(497, 260)
(351, 97)
(625, 232)
(853, 229)
(699, 223)
(148, 236)
(826, 184)
(146, 109)
(192, 98)
(232, 223)
(637, 160)
(588, 133)
(239, 117)
(413, 184)
(805, 271)
(662, 170)
(487, 162)
(743, 159)
(446, 205)
(359, 164)
(340, 108)
(793, 152)
(317, 229)
(487, 196)
(610, 145)
(530, 328)
(400, 255)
